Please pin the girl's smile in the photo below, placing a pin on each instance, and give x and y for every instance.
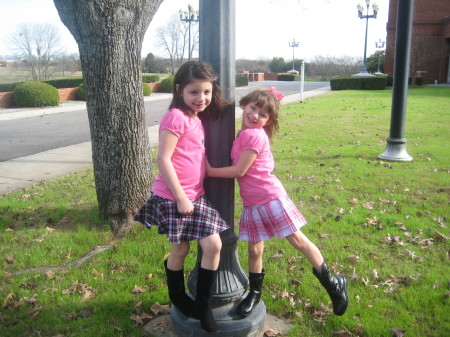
(197, 95)
(254, 116)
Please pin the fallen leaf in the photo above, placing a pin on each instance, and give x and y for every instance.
(137, 289)
(158, 308)
(271, 333)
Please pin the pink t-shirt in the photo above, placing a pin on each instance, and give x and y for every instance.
(258, 185)
(189, 156)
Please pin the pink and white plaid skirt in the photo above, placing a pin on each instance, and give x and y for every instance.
(278, 218)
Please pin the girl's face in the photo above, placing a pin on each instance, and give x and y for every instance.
(254, 116)
(197, 95)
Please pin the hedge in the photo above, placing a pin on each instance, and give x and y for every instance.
(241, 80)
(358, 83)
(150, 78)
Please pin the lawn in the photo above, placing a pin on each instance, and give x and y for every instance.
(383, 224)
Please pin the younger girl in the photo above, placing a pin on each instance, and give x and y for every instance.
(268, 211)
(177, 204)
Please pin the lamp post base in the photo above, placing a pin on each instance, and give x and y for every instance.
(230, 323)
(395, 150)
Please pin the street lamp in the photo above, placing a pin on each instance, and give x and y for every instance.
(190, 16)
(367, 17)
(293, 44)
(379, 45)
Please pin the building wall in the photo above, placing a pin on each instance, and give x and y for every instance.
(430, 41)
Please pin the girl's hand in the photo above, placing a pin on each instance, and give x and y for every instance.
(208, 168)
(185, 206)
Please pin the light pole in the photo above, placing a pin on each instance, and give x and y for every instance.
(367, 17)
(293, 44)
(190, 16)
(379, 45)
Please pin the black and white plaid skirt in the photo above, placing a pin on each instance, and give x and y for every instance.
(163, 213)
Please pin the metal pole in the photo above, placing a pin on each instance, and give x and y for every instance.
(302, 82)
(364, 68)
(217, 47)
(396, 143)
(189, 43)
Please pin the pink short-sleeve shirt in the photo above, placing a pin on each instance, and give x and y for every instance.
(189, 156)
(258, 185)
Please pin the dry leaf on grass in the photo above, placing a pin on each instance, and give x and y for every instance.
(160, 309)
(271, 333)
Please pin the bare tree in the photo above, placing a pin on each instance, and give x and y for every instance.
(173, 39)
(36, 45)
(423, 52)
(109, 34)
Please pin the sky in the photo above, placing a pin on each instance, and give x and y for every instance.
(264, 28)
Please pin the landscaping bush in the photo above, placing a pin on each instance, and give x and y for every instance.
(81, 95)
(150, 78)
(167, 85)
(287, 77)
(417, 81)
(62, 83)
(358, 83)
(7, 87)
(241, 80)
(35, 94)
(146, 90)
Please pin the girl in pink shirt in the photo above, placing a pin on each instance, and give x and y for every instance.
(268, 211)
(177, 204)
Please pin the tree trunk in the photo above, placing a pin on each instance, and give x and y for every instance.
(109, 34)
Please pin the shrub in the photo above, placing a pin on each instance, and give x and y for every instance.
(72, 82)
(6, 87)
(358, 83)
(167, 85)
(146, 90)
(241, 80)
(35, 94)
(288, 77)
(81, 95)
(417, 81)
(150, 78)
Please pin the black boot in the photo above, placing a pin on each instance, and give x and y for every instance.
(256, 281)
(336, 287)
(177, 292)
(205, 284)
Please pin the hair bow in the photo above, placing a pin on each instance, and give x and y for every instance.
(277, 94)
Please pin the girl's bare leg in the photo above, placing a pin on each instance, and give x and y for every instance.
(255, 253)
(300, 242)
(178, 252)
(211, 246)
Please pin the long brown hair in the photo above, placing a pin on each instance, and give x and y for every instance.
(189, 72)
(267, 101)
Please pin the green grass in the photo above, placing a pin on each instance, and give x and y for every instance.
(383, 224)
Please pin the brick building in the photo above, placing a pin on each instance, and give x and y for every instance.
(430, 40)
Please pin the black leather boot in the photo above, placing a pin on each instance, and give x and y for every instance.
(203, 311)
(245, 308)
(336, 287)
(177, 292)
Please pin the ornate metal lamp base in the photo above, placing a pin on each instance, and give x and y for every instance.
(230, 323)
(395, 150)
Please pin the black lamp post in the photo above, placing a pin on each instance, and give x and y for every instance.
(367, 17)
(190, 16)
(379, 45)
(293, 44)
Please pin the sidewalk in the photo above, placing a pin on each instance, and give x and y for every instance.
(26, 171)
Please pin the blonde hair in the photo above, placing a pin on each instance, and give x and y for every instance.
(267, 101)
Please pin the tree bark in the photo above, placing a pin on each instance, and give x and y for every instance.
(109, 34)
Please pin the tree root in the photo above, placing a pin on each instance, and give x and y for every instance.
(76, 263)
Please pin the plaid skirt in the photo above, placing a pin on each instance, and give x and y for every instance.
(163, 213)
(278, 218)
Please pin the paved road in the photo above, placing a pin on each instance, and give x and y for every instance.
(27, 136)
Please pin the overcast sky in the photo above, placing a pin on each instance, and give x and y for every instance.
(264, 28)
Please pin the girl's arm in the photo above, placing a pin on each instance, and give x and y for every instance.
(246, 159)
(166, 146)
